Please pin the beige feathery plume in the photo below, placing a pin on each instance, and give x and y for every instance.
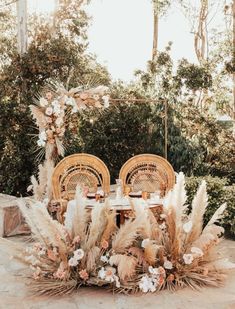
(126, 265)
(49, 166)
(39, 116)
(175, 208)
(217, 215)
(97, 226)
(110, 226)
(150, 253)
(44, 228)
(138, 254)
(92, 257)
(60, 147)
(80, 216)
(127, 234)
(15, 250)
(199, 205)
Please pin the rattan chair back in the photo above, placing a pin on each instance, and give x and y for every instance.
(84, 169)
(148, 172)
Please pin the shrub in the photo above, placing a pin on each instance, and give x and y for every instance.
(218, 193)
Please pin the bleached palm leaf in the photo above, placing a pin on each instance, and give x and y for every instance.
(39, 116)
(126, 265)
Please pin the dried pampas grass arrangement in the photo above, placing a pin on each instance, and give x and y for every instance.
(141, 255)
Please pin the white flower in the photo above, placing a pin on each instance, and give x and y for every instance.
(78, 254)
(101, 273)
(117, 282)
(188, 226)
(70, 101)
(104, 259)
(188, 258)
(163, 216)
(55, 103)
(107, 274)
(145, 242)
(73, 262)
(153, 271)
(43, 135)
(49, 111)
(41, 143)
(56, 110)
(147, 284)
(197, 251)
(168, 265)
(162, 226)
(59, 121)
(106, 101)
(43, 102)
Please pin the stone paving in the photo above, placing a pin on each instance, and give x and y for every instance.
(14, 293)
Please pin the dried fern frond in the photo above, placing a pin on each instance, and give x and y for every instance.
(126, 265)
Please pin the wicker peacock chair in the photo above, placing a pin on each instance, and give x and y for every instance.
(148, 172)
(84, 169)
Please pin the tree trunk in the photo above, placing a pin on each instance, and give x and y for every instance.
(21, 6)
(155, 34)
(233, 62)
(200, 38)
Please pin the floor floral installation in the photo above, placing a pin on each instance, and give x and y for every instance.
(140, 255)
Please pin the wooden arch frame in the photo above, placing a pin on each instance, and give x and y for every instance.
(153, 166)
(71, 166)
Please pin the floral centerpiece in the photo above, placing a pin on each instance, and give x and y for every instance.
(141, 255)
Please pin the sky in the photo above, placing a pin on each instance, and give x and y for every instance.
(121, 33)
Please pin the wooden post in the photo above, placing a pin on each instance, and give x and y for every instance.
(21, 6)
(166, 129)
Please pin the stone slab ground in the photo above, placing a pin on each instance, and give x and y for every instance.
(14, 293)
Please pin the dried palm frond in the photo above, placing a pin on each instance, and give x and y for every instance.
(39, 116)
(52, 287)
(126, 265)
(199, 205)
(139, 254)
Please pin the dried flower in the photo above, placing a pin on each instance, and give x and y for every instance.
(49, 111)
(170, 278)
(78, 254)
(51, 255)
(104, 244)
(36, 274)
(73, 262)
(104, 259)
(43, 102)
(145, 242)
(49, 95)
(168, 265)
(188, 258)
(83, 274)
(76, 240)
(147, 284)
(107, 274)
